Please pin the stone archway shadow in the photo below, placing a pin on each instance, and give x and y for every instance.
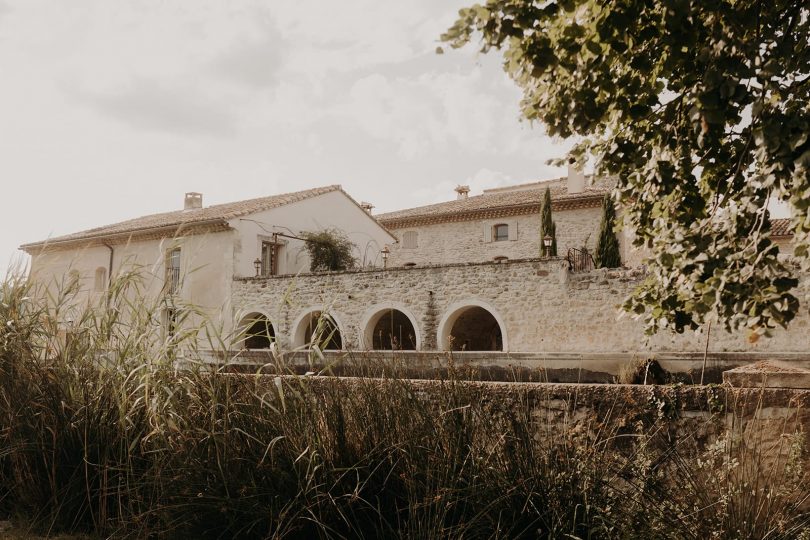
(479, 313)
(302, 326)
(401, 319)
(255, 330)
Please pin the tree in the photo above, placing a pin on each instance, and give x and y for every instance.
(607, 245)
(700, 110)
(329, 249)
(547, 226)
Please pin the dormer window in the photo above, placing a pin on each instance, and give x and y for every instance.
(500, 232)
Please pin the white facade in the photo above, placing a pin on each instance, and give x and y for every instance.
(211, 255)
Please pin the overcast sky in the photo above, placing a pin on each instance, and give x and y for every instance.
(112, 109)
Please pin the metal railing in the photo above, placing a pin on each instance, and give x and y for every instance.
(580, 260)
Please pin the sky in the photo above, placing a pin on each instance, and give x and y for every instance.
(111, 110)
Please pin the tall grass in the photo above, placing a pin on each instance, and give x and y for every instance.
(100, 432)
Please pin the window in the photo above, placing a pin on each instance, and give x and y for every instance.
(269, 258)
(410, 240)
(409, 264)
(500, 232)
(171, 322)
(101, 279)
(173, 271)
(501, 259)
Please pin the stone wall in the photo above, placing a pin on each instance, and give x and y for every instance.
(464, 241)
(539, 305)
(762, 428)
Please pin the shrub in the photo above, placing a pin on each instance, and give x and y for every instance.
(647, 371)
(329, 249)
(547, 226)
(607, 245)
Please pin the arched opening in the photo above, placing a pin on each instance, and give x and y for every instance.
(318, 328)
(391, 330)
(257, 332)
(472, 327)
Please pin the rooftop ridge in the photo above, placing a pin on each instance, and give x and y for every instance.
(184, 218)
(526, 185)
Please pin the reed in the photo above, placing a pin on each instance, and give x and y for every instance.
(120, 430)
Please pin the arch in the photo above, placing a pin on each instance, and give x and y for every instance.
(390, 326)
(256, 331)
(317, 319)
(474, 325)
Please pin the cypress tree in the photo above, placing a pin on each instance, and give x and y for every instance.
(607, 245)
(547, 226)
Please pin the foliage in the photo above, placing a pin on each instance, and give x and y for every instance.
(329, 249)
(547, 226)
(104, 434)
(701, 111)
(607, 245)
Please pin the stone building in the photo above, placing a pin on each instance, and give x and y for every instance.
(465, 275)
(193, 255)
(498, 225)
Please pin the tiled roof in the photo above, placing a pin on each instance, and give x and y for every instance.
(183, 218)
(514, 200)
(781, 227)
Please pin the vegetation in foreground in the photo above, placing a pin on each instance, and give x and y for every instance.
(699, 110)
(99, 433)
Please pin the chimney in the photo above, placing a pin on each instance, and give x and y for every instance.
(463, 192)
(576, 179)
(367, 206)
(193, 201)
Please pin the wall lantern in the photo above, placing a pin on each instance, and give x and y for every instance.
(257, 264)
(547, 239)
(385, 253)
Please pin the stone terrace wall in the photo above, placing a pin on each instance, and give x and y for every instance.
(541, 307)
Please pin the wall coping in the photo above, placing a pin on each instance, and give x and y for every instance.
(549, 261)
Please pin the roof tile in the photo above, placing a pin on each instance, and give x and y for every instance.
(178, 218)
(494, 199)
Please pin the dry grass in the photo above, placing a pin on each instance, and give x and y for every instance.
(101, 434)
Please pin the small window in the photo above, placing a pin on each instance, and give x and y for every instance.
(101, 279)
(409, 264)
(173, 271)
(410, 240)
(500, 259)
(500, 232)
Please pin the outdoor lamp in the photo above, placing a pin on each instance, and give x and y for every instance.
(385, 253)
(547, 243)
(257, 264)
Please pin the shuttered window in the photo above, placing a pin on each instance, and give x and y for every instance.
(410, 240)
(500, 232)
